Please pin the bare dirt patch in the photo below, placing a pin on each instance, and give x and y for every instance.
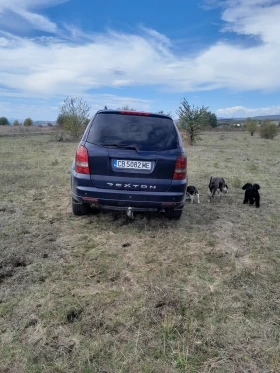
(102, 294)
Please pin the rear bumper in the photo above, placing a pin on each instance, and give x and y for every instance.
(84, 192)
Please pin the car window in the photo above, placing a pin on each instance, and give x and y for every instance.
(144, 132)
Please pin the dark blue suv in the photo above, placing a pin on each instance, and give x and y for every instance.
(132, 161)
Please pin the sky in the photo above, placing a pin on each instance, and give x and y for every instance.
(148, 54)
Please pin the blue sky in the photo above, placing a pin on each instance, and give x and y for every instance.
(148, 54)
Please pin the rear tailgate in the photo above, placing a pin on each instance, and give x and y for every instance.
(105, 173)
(146, 164)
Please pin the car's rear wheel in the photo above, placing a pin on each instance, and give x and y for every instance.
(79, 208)
(173, 214)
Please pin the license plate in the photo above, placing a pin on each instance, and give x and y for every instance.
(135, 165)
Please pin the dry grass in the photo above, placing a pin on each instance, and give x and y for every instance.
(99, 294)
(21, 130)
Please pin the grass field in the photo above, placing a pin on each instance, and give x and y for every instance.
(21, 130)
(101, 294)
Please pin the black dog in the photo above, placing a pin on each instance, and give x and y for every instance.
(191, 192)
(251, 194)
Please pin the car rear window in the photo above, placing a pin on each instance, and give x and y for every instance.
(144, 132)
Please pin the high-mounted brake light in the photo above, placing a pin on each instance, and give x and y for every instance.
(82, 166)
(135, 113)
(180, 168)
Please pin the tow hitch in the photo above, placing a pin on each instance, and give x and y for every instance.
(130, 213)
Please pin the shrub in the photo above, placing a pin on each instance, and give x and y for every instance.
(16, 123)
(28, 122)
(268, 130)
(73, 127)
(73, 117)
(251, 125)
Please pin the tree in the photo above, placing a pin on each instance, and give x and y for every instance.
(212, 119)
(195, 119)
(251, 125)
(268, 130)
(16, 123)
(73, 116)
(126, 108)
(4, 121)
(28, 122)
(62, 119)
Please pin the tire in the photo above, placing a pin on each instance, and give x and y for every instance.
(173, 214)
(79, 209)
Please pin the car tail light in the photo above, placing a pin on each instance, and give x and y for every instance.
(90, 199)
(82, 160)
(135, 113)
(180, 168)
(168, 204)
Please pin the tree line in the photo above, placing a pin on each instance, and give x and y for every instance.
(74, 116)
(27, 122)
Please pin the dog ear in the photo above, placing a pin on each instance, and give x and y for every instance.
(256, 186)
(246, 186)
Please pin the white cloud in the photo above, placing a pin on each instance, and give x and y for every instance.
(56, 66)
(254, 18)
(4, 42)
(25, 10)
(244, 112)
(37, 21)
(78, 62)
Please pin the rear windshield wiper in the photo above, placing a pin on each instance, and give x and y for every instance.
(122, 146)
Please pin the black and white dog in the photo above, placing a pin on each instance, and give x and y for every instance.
(191, 193)
(251, 194)
(217, 184)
